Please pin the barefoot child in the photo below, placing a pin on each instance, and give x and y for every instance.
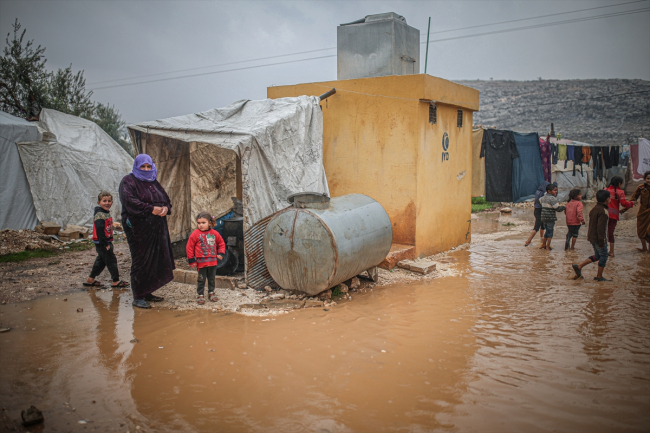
(204, 247)
(103, 239)
(550, 208)
(597, 235)
(574, 218)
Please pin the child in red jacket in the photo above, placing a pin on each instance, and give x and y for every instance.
(204, 248)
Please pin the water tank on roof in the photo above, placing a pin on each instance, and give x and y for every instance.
(321, 242)
(377, 45)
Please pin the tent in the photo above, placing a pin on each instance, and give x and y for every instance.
(16, 204)
(66, 173)
(258, 151)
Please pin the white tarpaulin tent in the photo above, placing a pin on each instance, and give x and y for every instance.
(66, 175)
(269, 149)
(16, 204)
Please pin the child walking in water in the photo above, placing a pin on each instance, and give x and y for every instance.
(617, 196)
(550, 207)
(204, 248)
(574, 218)
(597, 235)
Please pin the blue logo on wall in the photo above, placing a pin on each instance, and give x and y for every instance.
(445, 146)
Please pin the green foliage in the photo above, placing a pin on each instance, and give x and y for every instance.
(336, 291)
(26, 87)
(508, 224)
(80, 246)
(25, 255)
(480, 204)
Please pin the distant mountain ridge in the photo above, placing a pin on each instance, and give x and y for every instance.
(601, 112)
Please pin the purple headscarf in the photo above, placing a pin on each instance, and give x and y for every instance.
(144, 175)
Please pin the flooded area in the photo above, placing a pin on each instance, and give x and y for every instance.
(510, 344)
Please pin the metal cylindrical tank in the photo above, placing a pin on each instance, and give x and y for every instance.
(321, 242)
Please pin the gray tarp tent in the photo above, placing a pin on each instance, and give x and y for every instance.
(65, 175)
(16, 204)
(260, 151)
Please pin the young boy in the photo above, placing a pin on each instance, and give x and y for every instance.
(103, 239)
(574, 218)
(550, 208)
(597, 235)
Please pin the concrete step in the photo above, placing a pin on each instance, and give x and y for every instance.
(397, 253)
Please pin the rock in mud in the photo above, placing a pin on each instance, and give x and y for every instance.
(268, 288)
(355, 283)
(80, 310)
(327, 294)
(506, 210)
(313, 304)
(276, 296)
(32, 416)
(284, 304)
(343, 288)
(2, 330)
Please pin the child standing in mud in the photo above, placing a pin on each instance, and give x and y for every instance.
(103, 239)
(204, 248)
(550, 208)
(597, 235)
(574, 218)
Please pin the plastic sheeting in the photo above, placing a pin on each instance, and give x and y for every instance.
(643, 156)
(65, 176)
(566, 181)
(478, 164)
(527, 170)
(278, 141)
(16, 204)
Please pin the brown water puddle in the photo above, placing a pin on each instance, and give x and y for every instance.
(511, 345)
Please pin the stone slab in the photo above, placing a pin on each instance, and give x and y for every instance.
(50, 228)
(252, 306)
(69, 234)
(422, 267)
(283, 304)
(313, 304)
(397, 253)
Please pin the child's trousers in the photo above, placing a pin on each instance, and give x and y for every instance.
(207, 273)
(105, 259)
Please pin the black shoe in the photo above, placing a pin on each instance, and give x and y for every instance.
(153, 298)
(577, 270)
(601, 279)
(140, 303)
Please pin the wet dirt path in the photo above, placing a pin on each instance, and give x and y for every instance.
(512, 344)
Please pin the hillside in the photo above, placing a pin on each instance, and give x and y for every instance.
(593, 111)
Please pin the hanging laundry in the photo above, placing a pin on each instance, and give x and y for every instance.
(643, 155)
(595, 157)
(545, 152)
(527, 170)
(577, 159)
(561, 152)
(608, 161)
(499, 150)
(554, 153)
(586, 154)
(614, 154)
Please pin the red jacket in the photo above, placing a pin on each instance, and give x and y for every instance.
(203, 248)
(102, 227)
(617, 196)
(573, 212)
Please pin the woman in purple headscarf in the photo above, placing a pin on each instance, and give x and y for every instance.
(145, 205)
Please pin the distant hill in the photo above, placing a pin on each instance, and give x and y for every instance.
(593, 111)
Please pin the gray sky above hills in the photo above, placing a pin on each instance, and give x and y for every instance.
(114, 40)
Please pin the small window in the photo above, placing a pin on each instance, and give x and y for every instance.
(433, 113)
(459, 119)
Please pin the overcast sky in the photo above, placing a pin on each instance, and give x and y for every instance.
(114, 40)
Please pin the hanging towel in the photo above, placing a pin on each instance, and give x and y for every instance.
(561, 152)
(643, 156)
(586, 154)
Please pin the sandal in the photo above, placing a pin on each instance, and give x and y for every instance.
(200, 300)
(212, 297)
(120, 284)
(93, 284)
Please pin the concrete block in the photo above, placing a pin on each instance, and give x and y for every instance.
(283, 304)
(422, 267)
(83, 231)
(191, 277)
(69, 234)
(50, 228)
(397, 253)
(179, 276)
(225, 283)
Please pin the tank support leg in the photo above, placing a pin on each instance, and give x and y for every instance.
(373, 273)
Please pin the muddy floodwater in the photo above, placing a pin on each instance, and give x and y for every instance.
(511, 344)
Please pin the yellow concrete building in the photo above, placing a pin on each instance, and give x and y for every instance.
(405, 141)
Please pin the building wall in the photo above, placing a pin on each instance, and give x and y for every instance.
(444, 181)
(377, 141)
